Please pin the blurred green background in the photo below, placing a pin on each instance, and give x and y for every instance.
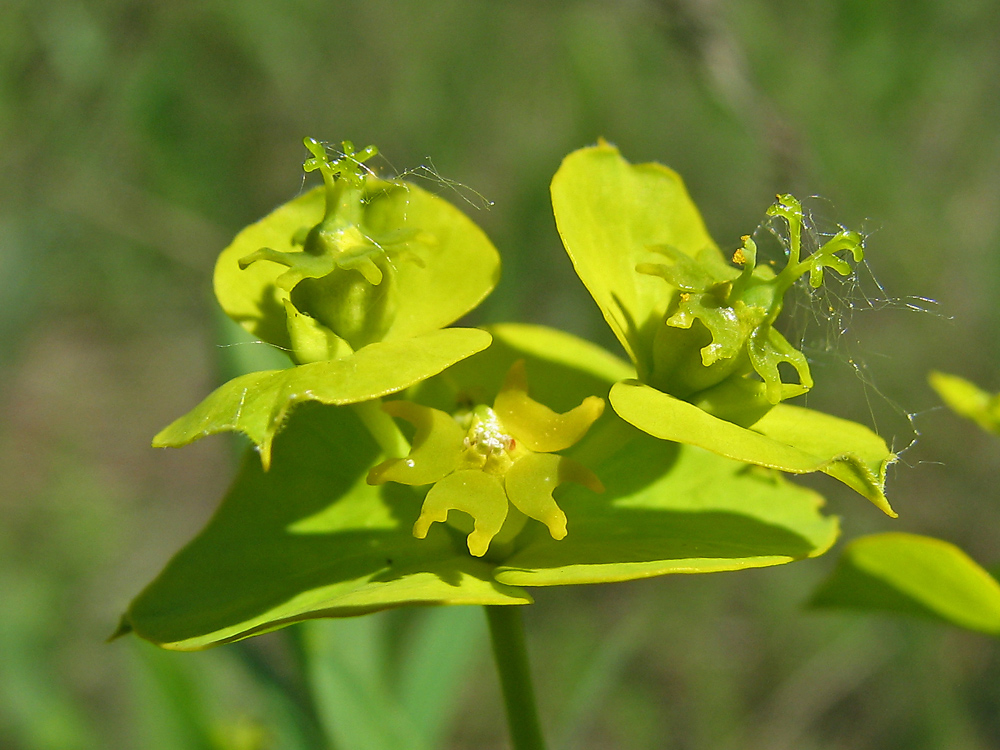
(136, 138)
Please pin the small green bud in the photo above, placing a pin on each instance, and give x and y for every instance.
(311, 340)
(343, 277)
(345, 302)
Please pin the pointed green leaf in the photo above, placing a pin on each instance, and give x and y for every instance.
(788, 438)
(258, 404)
(310, 538)
(915, 575)
(852, 453)
(458, 264)
(612, 216)
(672, 508)
(968, 400)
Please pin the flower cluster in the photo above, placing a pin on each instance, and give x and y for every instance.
(360, 280)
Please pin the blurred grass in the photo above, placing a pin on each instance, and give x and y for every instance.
(137, 138)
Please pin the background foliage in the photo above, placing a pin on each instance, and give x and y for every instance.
(139, 137)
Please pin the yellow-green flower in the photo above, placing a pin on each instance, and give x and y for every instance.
(485, 459)
(699, 329)
(356, 280)
(358, 260)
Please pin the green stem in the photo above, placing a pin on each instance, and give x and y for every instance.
(386, 432)
(507, 635)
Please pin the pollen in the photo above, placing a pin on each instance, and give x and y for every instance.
(487, 435)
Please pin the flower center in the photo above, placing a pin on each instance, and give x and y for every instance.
(488, 445)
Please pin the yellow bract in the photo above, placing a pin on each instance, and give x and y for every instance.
(485, 459)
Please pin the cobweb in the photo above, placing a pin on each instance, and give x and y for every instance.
(425, 172)
(824, 323)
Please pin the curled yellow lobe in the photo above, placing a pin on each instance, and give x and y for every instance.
(481, 461)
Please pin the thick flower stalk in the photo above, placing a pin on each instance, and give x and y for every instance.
(485, 459)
